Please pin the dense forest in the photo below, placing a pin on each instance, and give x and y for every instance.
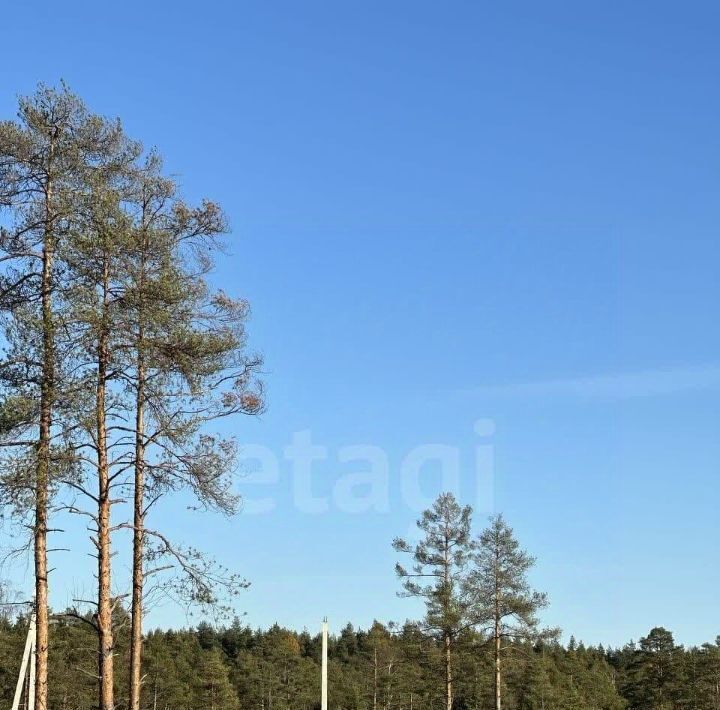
(382, 668)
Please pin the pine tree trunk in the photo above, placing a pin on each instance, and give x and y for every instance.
(138, 544)
(104, 621)
(42, 472)
(447, 636)
(138, 534)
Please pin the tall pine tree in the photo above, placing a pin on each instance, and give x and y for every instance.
(503, 603)
(437, 574)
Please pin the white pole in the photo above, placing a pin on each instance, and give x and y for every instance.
(31, 680)
(29, 644)
(324, 702)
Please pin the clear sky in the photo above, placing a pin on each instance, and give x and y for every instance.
(491, 227)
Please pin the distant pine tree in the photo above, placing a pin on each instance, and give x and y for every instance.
(504, 606)
(437, 575)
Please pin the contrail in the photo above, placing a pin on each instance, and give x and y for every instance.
(627, 385)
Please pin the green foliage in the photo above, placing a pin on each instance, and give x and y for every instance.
(438, 562)
(16, 412)
(502, 599)
(279, 669)
(653, 675)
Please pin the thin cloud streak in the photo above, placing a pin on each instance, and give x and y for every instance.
(630, 385)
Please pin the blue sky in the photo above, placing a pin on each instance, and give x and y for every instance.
(445, 213)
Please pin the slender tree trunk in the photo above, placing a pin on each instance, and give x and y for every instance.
(138, 522)
(138, 544)
(104, 622)
(42, 472)
(447, 635)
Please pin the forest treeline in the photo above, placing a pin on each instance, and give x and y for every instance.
(479, 645)
(378, 669)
